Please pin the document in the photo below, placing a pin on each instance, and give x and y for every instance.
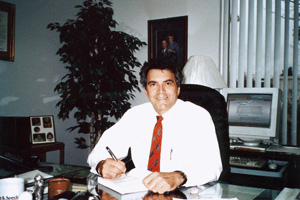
(130, 183)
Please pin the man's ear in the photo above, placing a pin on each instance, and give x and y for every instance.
(146, 93)
(178, 91)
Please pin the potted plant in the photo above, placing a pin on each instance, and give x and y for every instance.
(100, 61)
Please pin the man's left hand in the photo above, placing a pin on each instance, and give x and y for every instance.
(161, 182)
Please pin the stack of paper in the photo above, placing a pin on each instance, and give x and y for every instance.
(124, 185)
(128, 186)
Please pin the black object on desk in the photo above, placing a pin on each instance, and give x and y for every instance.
(283, 158)
(13, 162)
(72, 196)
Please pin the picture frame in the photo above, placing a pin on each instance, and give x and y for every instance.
(42, 129)
(7, 31)
(161, 29)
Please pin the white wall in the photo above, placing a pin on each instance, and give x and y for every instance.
(203, 23)
(26, 85)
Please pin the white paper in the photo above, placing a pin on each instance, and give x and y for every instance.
(130, 183)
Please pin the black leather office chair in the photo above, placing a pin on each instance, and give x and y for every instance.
(215, 104)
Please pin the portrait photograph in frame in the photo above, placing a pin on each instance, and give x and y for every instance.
(168, 38)
(42, 129)
(7, 31)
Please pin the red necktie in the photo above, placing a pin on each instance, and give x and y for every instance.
(154, 157)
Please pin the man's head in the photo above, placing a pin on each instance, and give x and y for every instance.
(171, 38)
(161, 79)
(164, 44)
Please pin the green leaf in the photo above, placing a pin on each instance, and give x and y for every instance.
(100, 63)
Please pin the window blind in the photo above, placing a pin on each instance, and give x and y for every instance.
(258, 46)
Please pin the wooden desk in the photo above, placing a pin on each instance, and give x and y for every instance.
(42, 149)
(213, 191)
(81, 175)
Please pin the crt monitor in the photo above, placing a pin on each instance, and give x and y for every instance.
(253, 114)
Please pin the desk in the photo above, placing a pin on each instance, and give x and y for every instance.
(215, 190)
(290, 178)
(77, 174)
(210, 191)
(42, 149)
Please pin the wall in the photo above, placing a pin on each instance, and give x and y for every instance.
(27, 85)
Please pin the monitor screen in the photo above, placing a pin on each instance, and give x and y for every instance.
(253, 113)
(251, 110)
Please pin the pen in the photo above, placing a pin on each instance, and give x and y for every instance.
(112, 154)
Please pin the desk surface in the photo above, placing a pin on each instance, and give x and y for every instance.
(274, 154)
(77, 174)
(222, 190)
(212, 190)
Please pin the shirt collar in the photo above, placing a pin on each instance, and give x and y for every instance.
(172, 109)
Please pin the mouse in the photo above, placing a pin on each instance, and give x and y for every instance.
(272, 166)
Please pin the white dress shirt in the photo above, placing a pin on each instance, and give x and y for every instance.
(189, 141)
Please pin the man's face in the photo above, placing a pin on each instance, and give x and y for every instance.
(164, 44)
(161, 90)
(170, 39)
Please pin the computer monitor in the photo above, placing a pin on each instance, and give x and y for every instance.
(254, 114)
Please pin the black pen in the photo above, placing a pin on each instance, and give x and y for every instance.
(113, 155)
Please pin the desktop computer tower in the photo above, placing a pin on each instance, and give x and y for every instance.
(15, 132)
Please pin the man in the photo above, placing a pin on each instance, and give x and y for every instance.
(173, 48)
(189, 148)
(164, 50)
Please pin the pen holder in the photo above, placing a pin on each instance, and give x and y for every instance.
(57, 186)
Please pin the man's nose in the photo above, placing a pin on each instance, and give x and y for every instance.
(161, 89)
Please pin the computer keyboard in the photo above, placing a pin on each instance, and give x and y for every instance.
(247, 162)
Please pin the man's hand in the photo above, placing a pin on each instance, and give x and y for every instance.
(110, 168)
(155, 196)
(161, 182)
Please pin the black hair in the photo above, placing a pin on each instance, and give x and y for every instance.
(163, 64)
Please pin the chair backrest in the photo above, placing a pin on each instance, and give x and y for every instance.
(215, 104)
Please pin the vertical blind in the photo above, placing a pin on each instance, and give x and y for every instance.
(259, 42)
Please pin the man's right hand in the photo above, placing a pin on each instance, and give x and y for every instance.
(110, 168)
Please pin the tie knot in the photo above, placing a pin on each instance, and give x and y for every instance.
(159, 118)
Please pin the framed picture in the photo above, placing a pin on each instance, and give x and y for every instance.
(7, 31)
(42, 129)
(168, 38)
